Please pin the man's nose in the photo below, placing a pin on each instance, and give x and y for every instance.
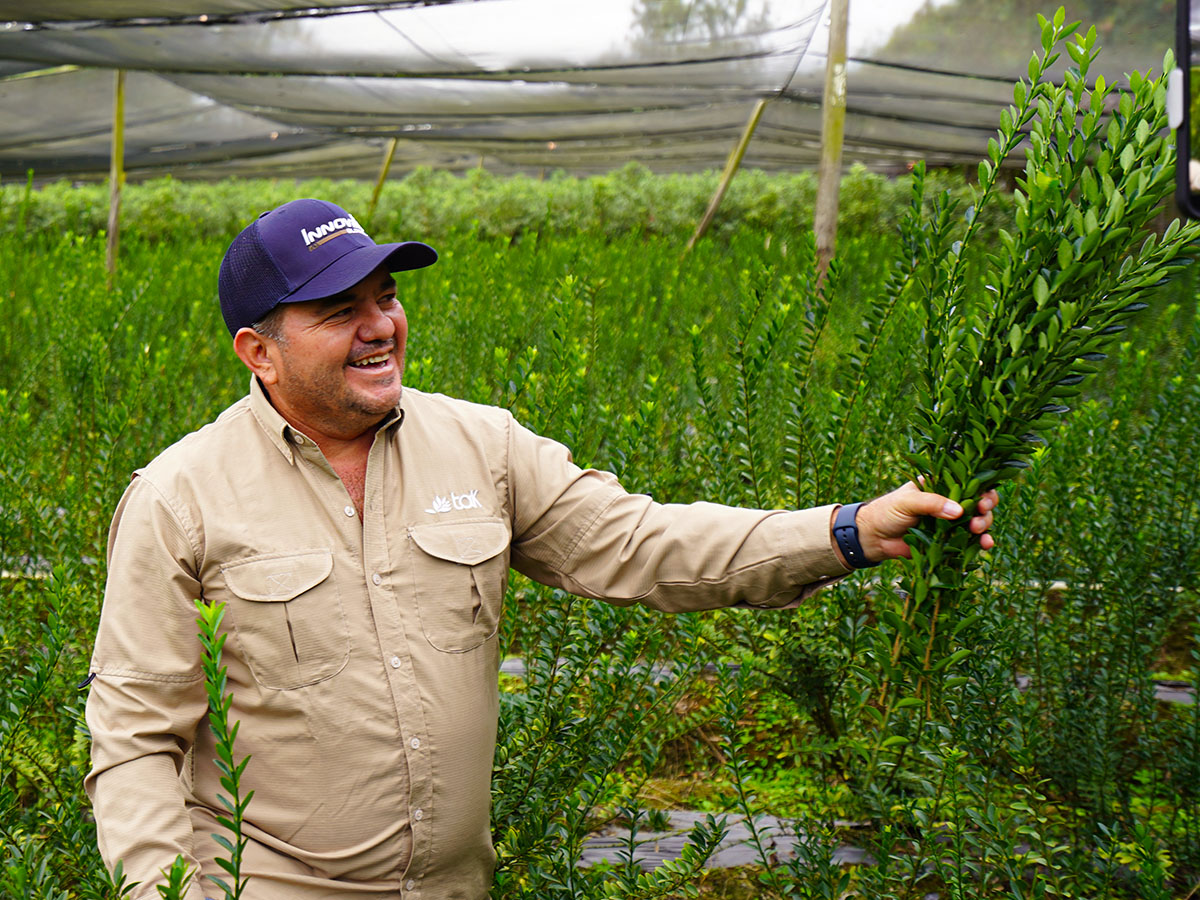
(375, 325)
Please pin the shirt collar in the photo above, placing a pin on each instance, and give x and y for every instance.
(277, 429)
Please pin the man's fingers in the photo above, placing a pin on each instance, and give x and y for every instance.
(918, 504)
(980, 524)
(922, 503)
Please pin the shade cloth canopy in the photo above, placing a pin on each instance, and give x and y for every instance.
(272, 87)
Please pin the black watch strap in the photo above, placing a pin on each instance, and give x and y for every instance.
(845, 532)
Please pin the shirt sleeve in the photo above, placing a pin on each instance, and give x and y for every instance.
(578, 529)
(147, 694)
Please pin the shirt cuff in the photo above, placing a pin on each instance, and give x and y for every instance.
(806, 545)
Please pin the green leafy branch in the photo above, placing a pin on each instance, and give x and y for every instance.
(999, 369)
(219, 703)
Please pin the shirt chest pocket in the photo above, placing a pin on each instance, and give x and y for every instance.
(289, 618)
(460, 570)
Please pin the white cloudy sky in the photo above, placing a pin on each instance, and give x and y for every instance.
(496, 32)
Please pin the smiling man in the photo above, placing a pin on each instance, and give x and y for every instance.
(360, 535)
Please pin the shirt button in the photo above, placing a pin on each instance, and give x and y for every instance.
(418, 815)
(375, 578)
(411, 884)
(395, 661)
(416, 743)
(349, 510)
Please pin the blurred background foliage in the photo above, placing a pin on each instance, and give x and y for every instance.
(720, 375)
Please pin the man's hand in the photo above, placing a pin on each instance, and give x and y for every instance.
(884, 521)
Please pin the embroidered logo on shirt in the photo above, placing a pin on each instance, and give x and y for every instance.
(279, 582)
(469, 500)
(468, 546)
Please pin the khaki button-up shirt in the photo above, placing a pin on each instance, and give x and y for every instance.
(362, 654)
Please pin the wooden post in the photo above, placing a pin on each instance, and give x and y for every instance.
(383, 174)
(116, 179)
(731, 166)
(833, 125)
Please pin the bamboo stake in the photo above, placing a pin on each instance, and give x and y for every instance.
(833, 125)
(731, 166)
(383, 174)
(116, 179)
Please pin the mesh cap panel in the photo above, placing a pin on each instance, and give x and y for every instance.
(249, 284)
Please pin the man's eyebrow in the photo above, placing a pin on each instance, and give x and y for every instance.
(348, 296)
(334, 300)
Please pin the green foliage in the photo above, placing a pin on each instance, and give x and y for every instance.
(580, 738)
(1039, 764)
(219, 702)
(177, 880)
(1077, 264)
(436, 205)
(997, 36)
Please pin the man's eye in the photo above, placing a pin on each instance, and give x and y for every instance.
(340, 313)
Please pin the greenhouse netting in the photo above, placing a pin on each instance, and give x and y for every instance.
(254, 87)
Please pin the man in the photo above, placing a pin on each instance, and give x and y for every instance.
(360, 538)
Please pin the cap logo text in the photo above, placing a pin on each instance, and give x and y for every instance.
(328, 230)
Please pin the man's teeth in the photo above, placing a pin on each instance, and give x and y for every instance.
(371, 360)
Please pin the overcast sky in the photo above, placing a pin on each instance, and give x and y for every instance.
(605, 26)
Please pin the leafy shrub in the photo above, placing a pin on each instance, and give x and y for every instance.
(1045, 766)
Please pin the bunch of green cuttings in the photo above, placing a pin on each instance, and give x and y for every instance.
(999, 369)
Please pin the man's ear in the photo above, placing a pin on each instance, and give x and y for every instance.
(257, 351)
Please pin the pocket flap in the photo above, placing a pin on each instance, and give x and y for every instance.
(279, 577)
(467, 543)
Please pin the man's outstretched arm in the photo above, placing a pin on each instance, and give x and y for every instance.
(579, 530)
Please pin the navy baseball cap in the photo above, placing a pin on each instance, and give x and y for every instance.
(303, 250)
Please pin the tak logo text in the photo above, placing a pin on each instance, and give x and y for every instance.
(469, 500)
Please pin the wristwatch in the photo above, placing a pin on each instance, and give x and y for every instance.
(845, 532)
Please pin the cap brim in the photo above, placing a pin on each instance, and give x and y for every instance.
(351, 268)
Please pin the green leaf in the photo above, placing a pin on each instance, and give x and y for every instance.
(1015, 334)
(1041, 291)
(1117, 209)
(1127, 157)
(965, 623)
(993, 150)
(1066, 253)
